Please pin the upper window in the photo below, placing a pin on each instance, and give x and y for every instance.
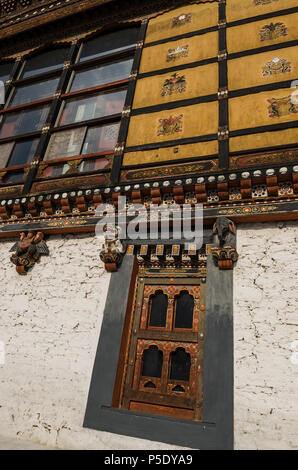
(92, 107)
(109, 44)
(87, 114)
(45, 62)
(34, 92)
(17, 153)
(101, 75)
(23, 122)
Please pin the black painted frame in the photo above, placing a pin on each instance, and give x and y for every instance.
(216, 431)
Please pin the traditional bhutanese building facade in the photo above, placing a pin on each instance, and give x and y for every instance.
(147, 344)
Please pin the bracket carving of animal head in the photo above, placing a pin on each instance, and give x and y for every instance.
(28, 250)
(224, 253)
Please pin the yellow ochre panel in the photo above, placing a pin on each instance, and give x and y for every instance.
(262, 33)
(241, 9)
(264, 140)
(174, 124)
(182, 20)
(180, 52)
(264, 68)
(175, 86)
(262, 109)
(200, 149)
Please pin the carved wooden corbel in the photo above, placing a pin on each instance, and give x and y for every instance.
(112, 252)
(224, 254)
(28, 250)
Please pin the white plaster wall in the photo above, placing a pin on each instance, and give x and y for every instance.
(265, 326)
(50, 323)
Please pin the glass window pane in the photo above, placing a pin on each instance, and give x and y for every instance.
(45, 62)
(15, 177)
(184, 310)
(152, 362)
(101, 75)
(65, 143)
(93, 107)
(57, 170)
(5, 70)
(94, 164)
(180, 365)
(23, 122)
(100, 139)
(34, 92)
(109, 43)
(5, 151)
(23, 152)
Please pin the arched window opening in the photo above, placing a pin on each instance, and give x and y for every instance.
(158, 310)
(152, 362)
(184, 310)
(180, 365)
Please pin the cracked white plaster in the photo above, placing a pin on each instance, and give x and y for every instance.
(265, 325)
(50, 323)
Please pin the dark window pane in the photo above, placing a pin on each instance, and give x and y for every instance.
(93, 107)
(37, 91)
(14, 177)
(180, 365)
(184, 310)
(101, 75)
(152, 362)
(158, 311)
(23, 122)
(109, 43)
(45, 62)
(23, 152)
(149, 385)
(178, 388)
(5, 70)
(100, 139)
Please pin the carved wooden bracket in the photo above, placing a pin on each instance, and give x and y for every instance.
(224, 254)
(112, 253)
(225, 257)
(28, 250)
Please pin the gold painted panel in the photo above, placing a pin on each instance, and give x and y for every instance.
(183, 51)
(262, 33)
(174, 124)
(261, 69)
(264, 140)
(181, 85)
(200, 149)
(182, 20)
(239, 10)
(262, 109)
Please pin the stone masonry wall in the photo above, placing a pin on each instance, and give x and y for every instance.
(50, 323)
(265, 326)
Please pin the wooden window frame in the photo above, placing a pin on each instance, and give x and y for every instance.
(167, 340)
(73, 66)
(216, 430)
